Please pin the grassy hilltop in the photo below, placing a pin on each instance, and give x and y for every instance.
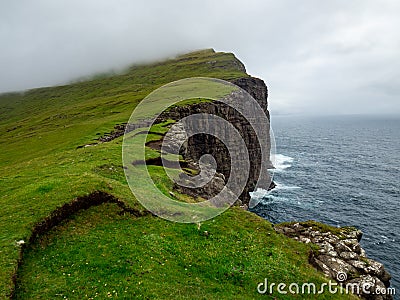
(106, 251)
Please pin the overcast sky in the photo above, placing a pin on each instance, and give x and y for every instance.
(315, 56)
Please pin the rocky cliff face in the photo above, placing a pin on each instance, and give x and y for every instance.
(201, 144)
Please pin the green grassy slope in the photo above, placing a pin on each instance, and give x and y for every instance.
(42, 169)
(101, 253)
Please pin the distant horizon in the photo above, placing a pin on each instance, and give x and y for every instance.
(288, 114)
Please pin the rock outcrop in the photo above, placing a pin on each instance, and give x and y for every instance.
(201, 144)
(340, 257)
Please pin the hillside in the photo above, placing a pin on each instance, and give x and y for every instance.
(117, 249)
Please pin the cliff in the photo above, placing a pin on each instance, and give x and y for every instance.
(201, 144)
(258, 146)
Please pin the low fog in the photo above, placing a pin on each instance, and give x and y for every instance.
(336, 57)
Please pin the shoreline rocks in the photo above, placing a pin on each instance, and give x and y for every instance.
(340, 257)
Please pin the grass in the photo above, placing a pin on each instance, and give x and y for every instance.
(102, 253)
(102, 250)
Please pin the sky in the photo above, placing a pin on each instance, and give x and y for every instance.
(317, 57)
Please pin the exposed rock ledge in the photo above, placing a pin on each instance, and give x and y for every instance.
(339, 252)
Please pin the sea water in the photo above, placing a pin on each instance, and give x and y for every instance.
(342, 170)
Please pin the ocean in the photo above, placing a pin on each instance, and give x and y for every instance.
(342, 170)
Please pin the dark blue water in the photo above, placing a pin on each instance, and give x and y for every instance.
(342, 171)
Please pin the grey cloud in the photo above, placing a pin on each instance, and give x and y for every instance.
(316, 56)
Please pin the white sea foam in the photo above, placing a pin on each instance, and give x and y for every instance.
(281, 186)
(281, 162)
(257, 196)
(262, 195)
(259, 193)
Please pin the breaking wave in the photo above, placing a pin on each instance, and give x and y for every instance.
(281, 162)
